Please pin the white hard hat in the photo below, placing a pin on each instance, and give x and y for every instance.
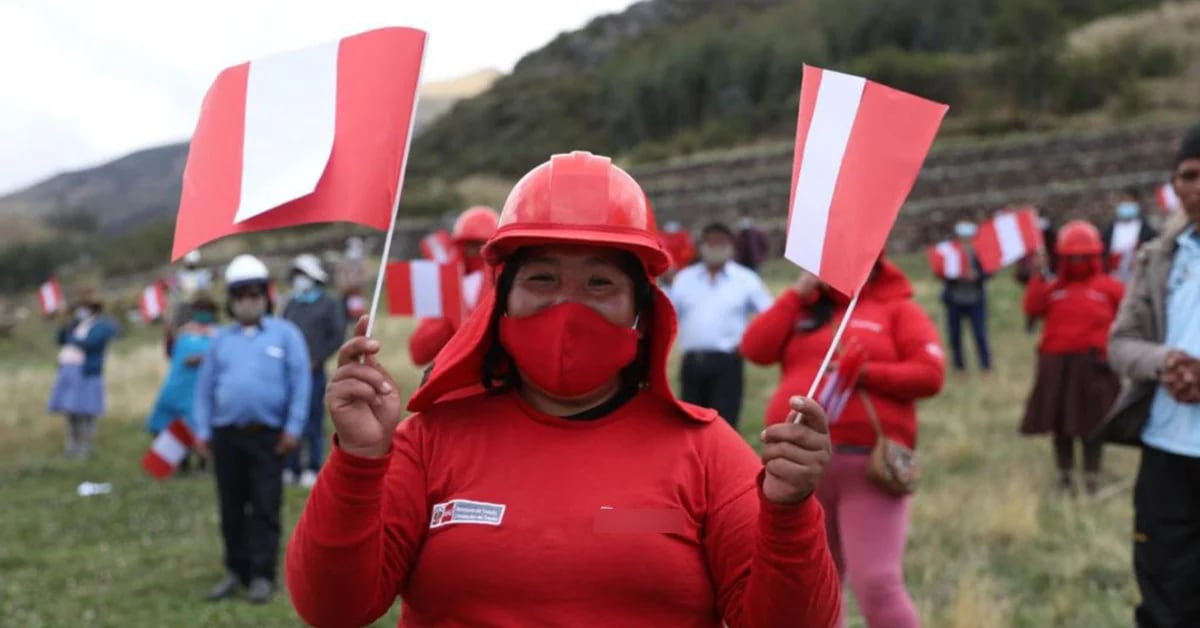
(245, 269)
(311, 266)
(192, 257)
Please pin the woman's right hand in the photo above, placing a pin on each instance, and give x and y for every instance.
(806, 283)
(364, 401)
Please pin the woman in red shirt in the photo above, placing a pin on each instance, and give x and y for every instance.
(1074, 387)
(549, 476)
(867, 527)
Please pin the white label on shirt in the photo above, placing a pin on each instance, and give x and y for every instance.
(275, 352)
(867, 325)
(466, 511)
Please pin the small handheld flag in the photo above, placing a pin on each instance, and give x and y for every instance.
(859, 148)
(1006, 238)
(169, 448)
(947, 260)
(50, 297)
(152, 302)
(839, 385)
(425, 289)
(438, 246)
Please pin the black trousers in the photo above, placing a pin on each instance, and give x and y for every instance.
(250, 492)
(713, 379)
(1166, 546)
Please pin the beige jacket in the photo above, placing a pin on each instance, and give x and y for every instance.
(1135, 343)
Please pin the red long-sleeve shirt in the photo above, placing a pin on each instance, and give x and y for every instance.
(639, 518)
(904, 357)
(1078, 313)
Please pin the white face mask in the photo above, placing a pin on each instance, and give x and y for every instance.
(302, 283)
(716, 255)
(82, 312)
(249, 311)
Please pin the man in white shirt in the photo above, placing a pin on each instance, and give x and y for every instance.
(715, 299)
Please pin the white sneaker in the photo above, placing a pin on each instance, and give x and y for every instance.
(289, 477)
(308, 478)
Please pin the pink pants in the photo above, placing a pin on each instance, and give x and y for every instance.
(868, 530)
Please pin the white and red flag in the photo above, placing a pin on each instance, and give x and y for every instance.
(153, 301)
(50, 297)
(425, 289)
(947, 259)
(319, 134)
(1006, 238)
(859, 147)
(1167, 200)
(840, 384)
(438, 246)
(169, 448)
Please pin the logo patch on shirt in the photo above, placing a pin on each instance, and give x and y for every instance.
(466, 511)
(275, 352)
(867, 325)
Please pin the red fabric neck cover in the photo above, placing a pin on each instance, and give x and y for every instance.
(457, 370)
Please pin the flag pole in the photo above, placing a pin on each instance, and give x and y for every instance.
(793, 417)
(391, 232)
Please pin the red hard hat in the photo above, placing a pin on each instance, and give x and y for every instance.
(475, 224)
(1078, 237)
(578, 198)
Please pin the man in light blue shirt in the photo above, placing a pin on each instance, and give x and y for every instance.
(1155, 343)
(252, 401)
(715, 299)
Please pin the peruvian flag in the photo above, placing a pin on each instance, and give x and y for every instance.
(1006, 238)
(425, 289)
(859, 147)
(313, 135)
(169, 448)
(152, 302)
(948, 260)
(50, 297)
(438, 246)
(839, 385)
(1167, 200)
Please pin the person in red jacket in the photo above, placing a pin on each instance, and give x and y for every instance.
(867, 527)
(472, 228)
(1074, 388)
(549, 476)
(679, 246)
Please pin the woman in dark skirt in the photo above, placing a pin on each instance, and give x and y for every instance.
(1074, 387)
(78, 391)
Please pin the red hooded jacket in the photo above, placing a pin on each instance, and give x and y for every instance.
(904, 356)
(1078, 313)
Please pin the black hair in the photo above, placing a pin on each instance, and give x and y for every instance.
(497, 372)
(1189, 148)
(717, 227)
(1131, 192)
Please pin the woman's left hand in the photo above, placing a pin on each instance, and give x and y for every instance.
(795, 455)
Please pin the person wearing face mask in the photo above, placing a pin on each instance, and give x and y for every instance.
(322, 320)
(750, 247)
(715, 298)
(191, 344)
(471, 230)
(78, 390)
(549, 476)
(1155, 345)
(1125, 235)
(253, 395)
(1074, 387)
(966, 297)
(867, 527)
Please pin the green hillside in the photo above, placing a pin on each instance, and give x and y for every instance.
(731, 76)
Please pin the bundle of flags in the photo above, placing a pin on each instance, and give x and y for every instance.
(50, 297)
(169, 449)
(839, 384)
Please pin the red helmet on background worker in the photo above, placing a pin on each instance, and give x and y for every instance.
(476, 224)
(579, 198)
(1078, 237)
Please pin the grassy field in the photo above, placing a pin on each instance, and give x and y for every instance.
(990, 545)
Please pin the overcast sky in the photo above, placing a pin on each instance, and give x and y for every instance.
(85, 81)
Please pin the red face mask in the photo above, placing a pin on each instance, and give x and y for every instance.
(568, 349)
(472, 264)
(1080, 269)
